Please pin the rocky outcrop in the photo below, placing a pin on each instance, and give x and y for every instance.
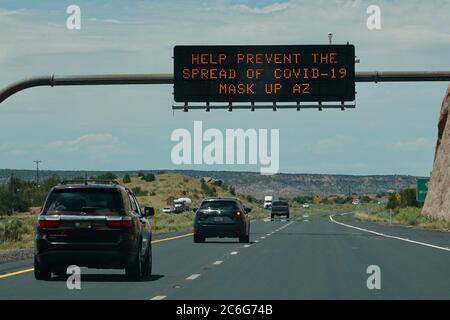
(437, 203)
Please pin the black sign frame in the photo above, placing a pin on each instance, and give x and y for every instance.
(197, 77)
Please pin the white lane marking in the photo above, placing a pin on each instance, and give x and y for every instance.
(262, 238)
(305, 220)
(234, 252)
(267, 234)
(266, 220)
(246, 246)
(389, 236)
(193, 277)
(158, 298)
(256, 241)
(218, 262)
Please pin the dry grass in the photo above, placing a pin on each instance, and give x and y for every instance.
(410, 216)
(17, 232)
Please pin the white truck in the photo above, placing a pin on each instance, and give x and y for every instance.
(181, 204)
(268, 202)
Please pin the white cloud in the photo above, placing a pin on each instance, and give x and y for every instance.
(412, 145)
(95, 145)
(331, 145)
(105, 20)
(11, 149)
(271, 8)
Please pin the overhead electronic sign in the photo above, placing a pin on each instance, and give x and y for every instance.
(293, 73)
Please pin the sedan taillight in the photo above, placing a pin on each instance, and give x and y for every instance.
(118, 222)
(49, 222)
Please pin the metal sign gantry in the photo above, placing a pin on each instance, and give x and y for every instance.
(142, 79)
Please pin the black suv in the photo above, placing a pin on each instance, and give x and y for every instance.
(94, 225)
(280, 208)
(221, 217)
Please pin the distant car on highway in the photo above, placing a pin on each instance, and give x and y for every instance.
(178, 208)
(305, 205)
(221, 217)
(167, 210)
(94, 225)
(279, 208)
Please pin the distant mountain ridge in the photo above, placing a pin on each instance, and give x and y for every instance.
(253, 183)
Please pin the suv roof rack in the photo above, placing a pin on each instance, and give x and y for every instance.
(89, 181)
(221, 198)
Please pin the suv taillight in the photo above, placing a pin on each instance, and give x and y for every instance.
(118, 222)
(49, 222)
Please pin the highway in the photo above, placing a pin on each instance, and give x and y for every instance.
(317, 257)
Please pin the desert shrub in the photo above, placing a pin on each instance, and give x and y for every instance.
(148, 177)
(138, 192)
(126, 178)
(13, 230)
(106, 176)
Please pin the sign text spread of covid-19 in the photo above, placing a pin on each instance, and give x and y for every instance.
(294, 73)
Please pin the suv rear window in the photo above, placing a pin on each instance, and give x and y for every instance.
(89, 201)
(279, 204)
(219, 205)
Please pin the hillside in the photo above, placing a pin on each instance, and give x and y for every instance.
(170, 185)
(292, 185)
(252, 183)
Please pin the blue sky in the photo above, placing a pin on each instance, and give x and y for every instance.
(392, 130)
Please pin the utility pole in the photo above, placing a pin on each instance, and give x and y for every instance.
(12, 190)
(37, 171)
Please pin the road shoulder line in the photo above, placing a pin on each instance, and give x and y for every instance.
(389, 236)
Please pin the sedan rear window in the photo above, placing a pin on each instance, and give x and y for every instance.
(219, 205)
(87, 201)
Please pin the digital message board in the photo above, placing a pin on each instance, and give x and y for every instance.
(293, 73)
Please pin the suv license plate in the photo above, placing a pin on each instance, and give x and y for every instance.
(218, 219)
(83, 225)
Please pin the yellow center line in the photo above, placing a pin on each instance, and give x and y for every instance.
(6, 275)
(173, 238)
(16, 273)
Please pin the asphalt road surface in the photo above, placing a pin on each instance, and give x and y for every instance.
(306, 258)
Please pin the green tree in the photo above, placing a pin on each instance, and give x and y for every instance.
(148, 177)
(106, 176)
(126, 178)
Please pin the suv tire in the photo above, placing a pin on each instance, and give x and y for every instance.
(41, 272)
(134, 269)
(245, 238)
(147, 265)
(59, 271)
(199, 239)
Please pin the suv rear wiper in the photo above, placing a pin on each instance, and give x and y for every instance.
(91, 209)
